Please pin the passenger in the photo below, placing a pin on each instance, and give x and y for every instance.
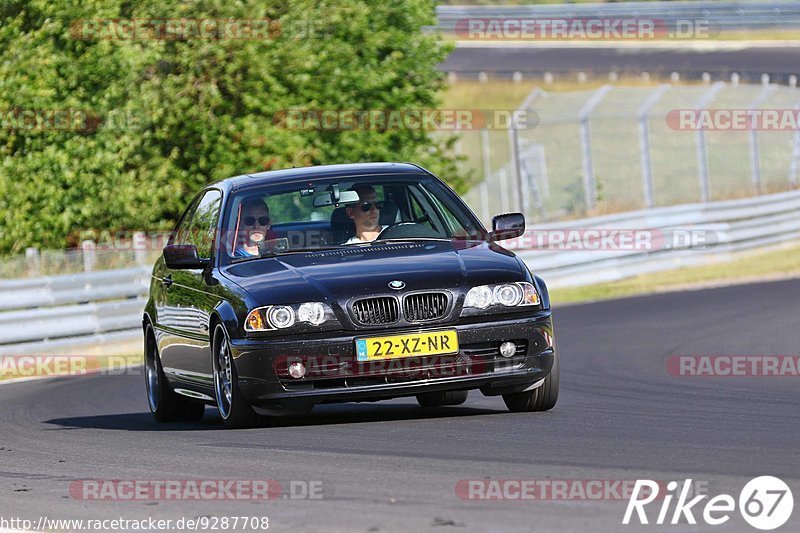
(365, 215)
(254, 226)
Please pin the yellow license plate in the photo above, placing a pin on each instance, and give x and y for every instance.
(412, 345)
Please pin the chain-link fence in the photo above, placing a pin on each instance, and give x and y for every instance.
(88, 258)
(614, 149)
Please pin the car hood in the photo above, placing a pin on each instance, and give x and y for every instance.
(336, 275)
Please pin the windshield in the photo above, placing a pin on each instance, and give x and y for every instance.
(343, 212)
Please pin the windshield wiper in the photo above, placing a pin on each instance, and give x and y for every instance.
(305, 250)
(406, 239)
(274, 253)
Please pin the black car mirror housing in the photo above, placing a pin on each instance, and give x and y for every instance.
(332, 198)
(507, 226)
(183, 257)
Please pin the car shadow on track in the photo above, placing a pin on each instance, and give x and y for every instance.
(322, 415)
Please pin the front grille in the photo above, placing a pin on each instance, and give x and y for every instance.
(425, 306)
(375, 311)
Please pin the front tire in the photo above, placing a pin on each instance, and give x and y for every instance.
(542, 398)
(442, 398)
(165, 405)
(235, 411)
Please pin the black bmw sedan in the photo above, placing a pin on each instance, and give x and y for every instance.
(362, 282)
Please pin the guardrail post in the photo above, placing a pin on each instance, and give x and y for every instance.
(589, 182)
(89, 257)
(32, 258)
(644, 145)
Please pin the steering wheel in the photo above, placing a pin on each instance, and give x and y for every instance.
(404, 230)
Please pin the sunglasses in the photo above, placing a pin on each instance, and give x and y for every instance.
(251, 221)
(366, 206)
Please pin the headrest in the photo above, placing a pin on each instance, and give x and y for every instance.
(339, 217)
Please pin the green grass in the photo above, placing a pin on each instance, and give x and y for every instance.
(780, 263)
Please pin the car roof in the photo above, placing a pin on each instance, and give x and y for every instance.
(318, 172)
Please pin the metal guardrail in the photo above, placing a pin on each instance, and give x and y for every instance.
(730, 226)
(62, 312)
(66, 312)
(749, 15)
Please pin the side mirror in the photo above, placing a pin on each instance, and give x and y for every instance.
(507, 226)
(183, 257)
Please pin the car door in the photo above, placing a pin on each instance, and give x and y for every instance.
(189, 300)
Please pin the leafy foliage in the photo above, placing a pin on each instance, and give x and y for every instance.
(166, 116)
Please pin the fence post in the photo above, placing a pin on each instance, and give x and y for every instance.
(34, 263)
(532, 186)
(89, 259)
(795, 154)
(513, 141)
(487, 172)
(589, 182)
(702, 153)
(502, 176)
(541, 158)
(140, 248)
(484, 192)
(755, 163)
(644, 145)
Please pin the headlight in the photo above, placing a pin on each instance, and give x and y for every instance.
(281, 317)
(479, 297)
(508, 295)
(311, 312)
(272, 317)
(502, 295)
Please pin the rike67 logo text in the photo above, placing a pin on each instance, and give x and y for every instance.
(765, 503)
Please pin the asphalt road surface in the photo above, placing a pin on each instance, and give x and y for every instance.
(392, 466)
(779, 62)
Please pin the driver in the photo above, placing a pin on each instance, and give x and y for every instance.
(365, 215)
(254, 226)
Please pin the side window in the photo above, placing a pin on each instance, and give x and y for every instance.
(203, 226)
(416, 211)
(181, 230)
(453, 225)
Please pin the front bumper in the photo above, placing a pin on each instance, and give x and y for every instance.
(334, 375)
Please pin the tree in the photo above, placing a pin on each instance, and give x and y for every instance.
(149, 121)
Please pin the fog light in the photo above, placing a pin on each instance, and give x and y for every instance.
(297, 370)
(508, 349)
